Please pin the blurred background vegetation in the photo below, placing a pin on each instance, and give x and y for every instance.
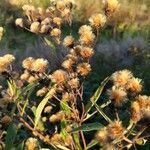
(123, 44)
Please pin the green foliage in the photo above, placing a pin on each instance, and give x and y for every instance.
(10, 137)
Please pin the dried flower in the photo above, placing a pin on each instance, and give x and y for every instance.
(35, 27)
(134, 85)
(111, 6)
(136, 113)
(25, 76)
(5, 62)
(102, 135)
(74, 83)
(87, 38)
(121, 78)
(65, 13)
(84, 29)
(44, 28)
(56, 32)
(28, 63)
(56, 138)
(19, 22)
(67, 64)
(31, 144)
(59, 76)
(86, 52)
(46, 21)
(57, 21)
(97, 20)
(42, 91)
(83, 69)
(141, 108)
(56, 117)
(68, 41)
(115, 130)
(32, 79)
(40, 65)
(6, 120)
(60, 5)
(48, 109)
(117, 95)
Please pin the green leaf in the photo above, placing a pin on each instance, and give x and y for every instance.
(20, 146)
(88, 127)
(64, 106)
(42, 104)
(10, 137)
(99, 109)
(96, 95)
(77, 141)
(91, 144)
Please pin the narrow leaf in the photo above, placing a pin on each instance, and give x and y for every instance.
(91, 144)
(10, 137)
(96, 95)
(42, 104)
(88, 127)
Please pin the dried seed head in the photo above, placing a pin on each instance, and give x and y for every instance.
(59, 76)
(28, 63)
(32, 79)
(48, 109)
(40, 65)
(35, 27)
(56, 138)
(115, 130)
(118, 95)
(83, 69)
(86, 52)
(102, 136)
(46, 21)
(19, 22)
(56, 32)
(87, 38)
(25, 76)
(66, 12)
(60, 5)
(135, 112)
(74, 83)
(42, 91)
(6, 120)
(67, 64)
(85, 28)
(31, 144)
(98, 20)
(44, 28)
(68, 41)
(68, 141)
(40, 11)
(121, 78)
(5, 62)
(110, 7)
(57, 117)
(57, 21)
(134, 85)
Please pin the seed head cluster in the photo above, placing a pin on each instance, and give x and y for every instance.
(109, 133)
(5, 62)
(124, 84)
